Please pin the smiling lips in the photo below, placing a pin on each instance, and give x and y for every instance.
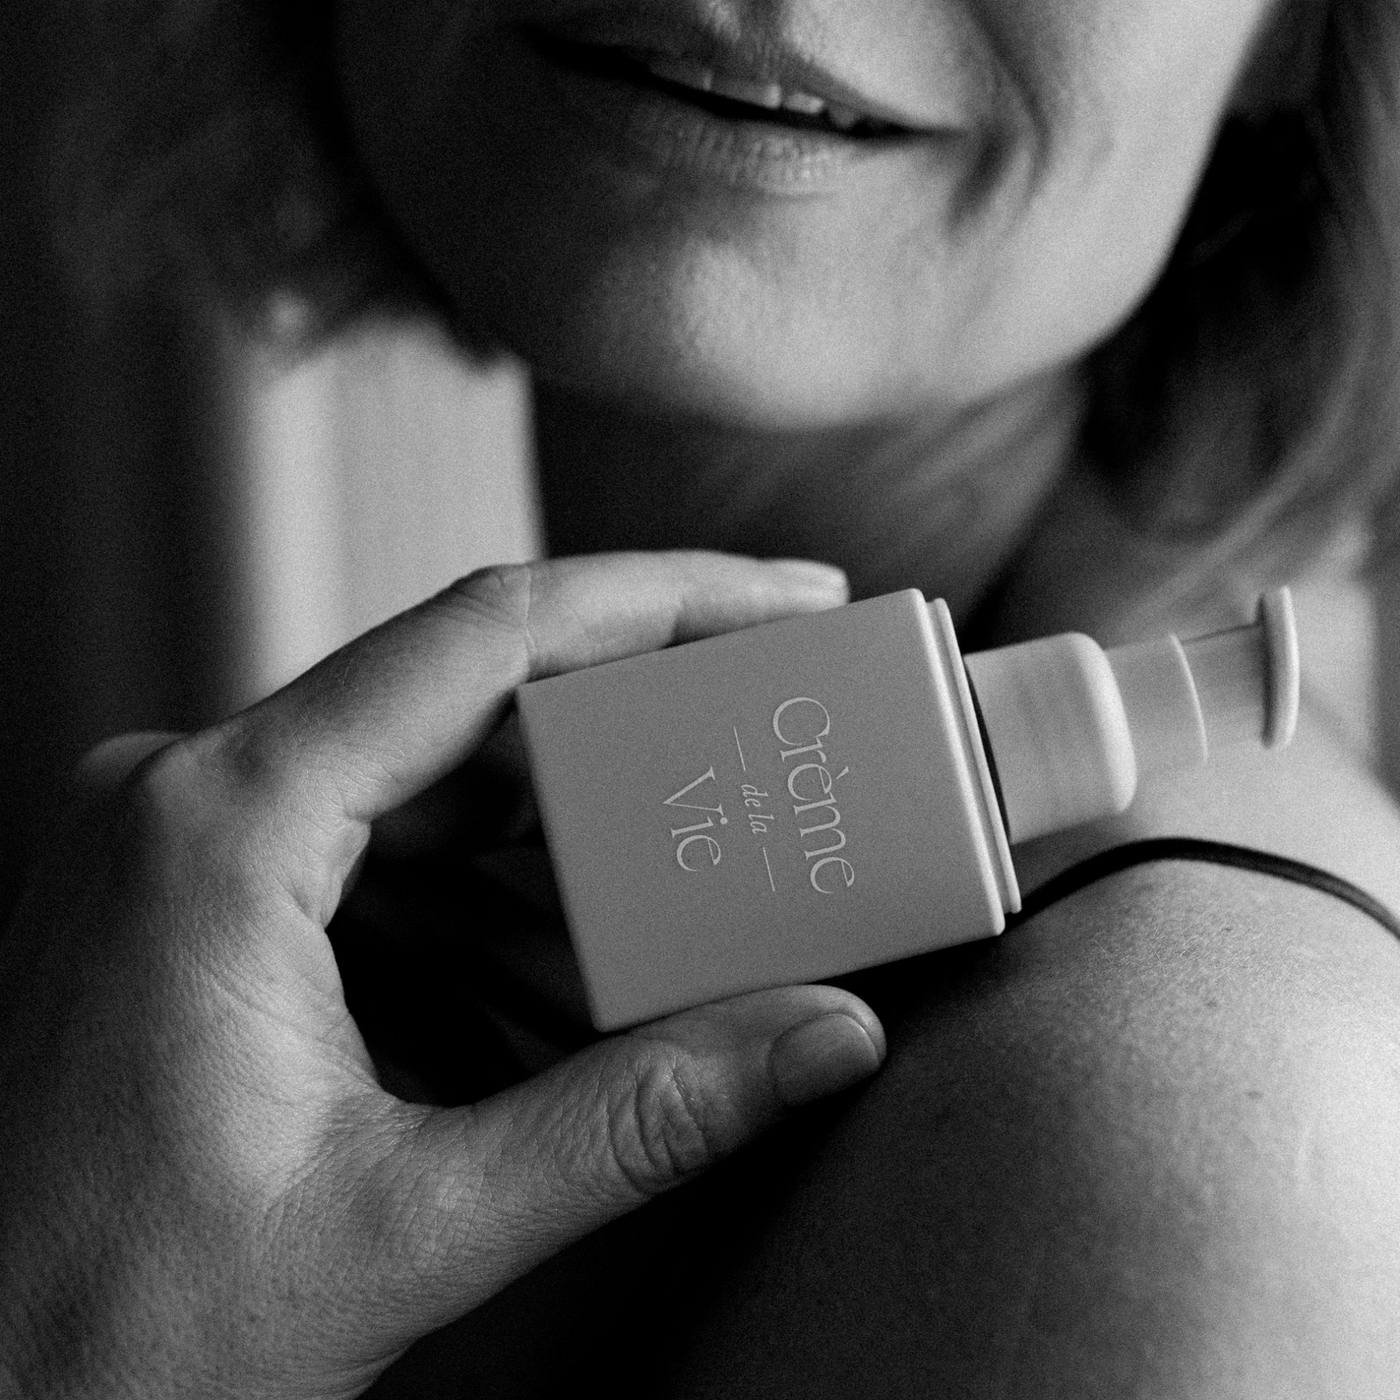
(770, 97)
(719, 89)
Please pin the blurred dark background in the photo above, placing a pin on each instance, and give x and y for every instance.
(184, 524)
(100, 628)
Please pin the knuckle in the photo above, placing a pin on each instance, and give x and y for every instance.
(106, 765)
(499, 593)
(499, 598)
(661, 1128)
(244, 760)
(179, 803)
(164, 790)
(136, 833)
(247, 771)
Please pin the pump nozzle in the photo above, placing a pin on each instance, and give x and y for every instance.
(1237, 686)
(1071, 726)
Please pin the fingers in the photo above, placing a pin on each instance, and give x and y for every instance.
(403, 705)
(105, 766)
(500, 1187)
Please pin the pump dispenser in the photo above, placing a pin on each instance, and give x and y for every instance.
(1072, 727)
(802, 799)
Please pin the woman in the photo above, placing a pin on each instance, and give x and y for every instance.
(934, 292)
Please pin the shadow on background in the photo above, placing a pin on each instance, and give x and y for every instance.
(105, 595)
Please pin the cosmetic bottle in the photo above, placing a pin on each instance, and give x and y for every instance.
(801, 799)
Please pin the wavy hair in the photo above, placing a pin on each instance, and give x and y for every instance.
(1250, 405)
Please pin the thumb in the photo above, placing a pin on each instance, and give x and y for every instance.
(501, 1186)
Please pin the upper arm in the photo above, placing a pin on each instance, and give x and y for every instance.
(1142, 1144)
(1315, 801)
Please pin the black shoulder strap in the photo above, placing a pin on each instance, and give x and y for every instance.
(1124, 857)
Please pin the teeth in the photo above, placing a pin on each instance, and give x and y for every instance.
(768, 95)
(772, 96)
(680, 71)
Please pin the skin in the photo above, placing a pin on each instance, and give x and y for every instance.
(205, 1189)
(1141, 1147)
(881, 373)
(1144, 1145)
(926, 279)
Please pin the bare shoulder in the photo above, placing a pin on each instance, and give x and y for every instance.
(1316, 802)
(1142, 1144)
(1298, 969)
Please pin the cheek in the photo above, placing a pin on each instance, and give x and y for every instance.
(792, 313)
(1131, 118)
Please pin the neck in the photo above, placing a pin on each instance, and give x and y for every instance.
(934, 504)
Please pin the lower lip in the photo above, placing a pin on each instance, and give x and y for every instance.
(650, 126)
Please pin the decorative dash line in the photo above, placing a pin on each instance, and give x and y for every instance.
(769, 868)
(740, 747)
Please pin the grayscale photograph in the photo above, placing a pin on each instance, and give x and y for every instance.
(700, 699)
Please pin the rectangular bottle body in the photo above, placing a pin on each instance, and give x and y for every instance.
(771, 806)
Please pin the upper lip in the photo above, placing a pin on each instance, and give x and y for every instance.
(748, 50)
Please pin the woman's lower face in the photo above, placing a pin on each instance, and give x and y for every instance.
(792, 212)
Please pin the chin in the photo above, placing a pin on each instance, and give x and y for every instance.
(805, 373)
(781, 396)
(776, 398)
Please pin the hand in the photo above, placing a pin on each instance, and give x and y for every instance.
(203, 1188)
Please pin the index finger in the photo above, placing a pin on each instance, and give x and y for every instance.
(396, 709)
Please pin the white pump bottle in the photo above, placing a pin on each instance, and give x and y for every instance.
(802, 799)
